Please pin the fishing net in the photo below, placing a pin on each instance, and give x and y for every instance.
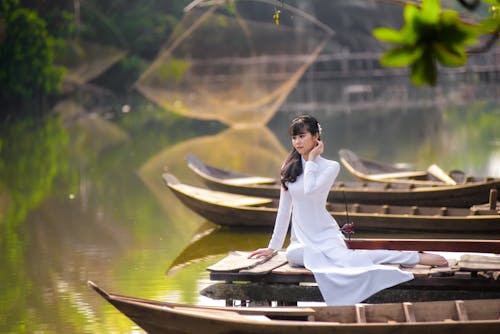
(86, 60)
(229, 61)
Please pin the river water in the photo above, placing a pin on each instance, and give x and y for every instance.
(81, 195)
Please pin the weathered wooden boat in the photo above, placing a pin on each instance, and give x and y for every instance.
(212, 240)
(460, 195)
(375, 171)
(239, 210)
(272, 279)
(468, 316)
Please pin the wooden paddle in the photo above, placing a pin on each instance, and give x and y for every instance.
(441, 175)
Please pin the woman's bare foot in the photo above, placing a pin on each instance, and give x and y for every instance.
(433, 260)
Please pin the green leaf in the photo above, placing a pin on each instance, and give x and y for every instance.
(449, 17)
(489, 25)
(449, 56)
(410, 35)
(453, 31)
(452, 35)
(409, 12)
(424, 71)
(401, 56)
(430, 11)
(389, 35)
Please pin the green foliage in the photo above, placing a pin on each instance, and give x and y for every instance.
(27, 56)
(172, 71)
(60, 23)
(430, 36)
(139, 26)
(492, 23)
(8, 6)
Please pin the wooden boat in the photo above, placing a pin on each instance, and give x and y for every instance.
(375, 171)
(468, 316)
(461, 195)
(239, 210)
(264, 281)
(212, 240)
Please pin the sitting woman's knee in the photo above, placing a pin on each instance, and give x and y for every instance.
(295, 256)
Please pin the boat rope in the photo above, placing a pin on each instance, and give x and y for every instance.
(348, 227)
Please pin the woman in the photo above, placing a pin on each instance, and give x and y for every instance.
(344, 276)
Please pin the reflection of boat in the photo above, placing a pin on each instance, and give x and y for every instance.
(224, 147)
(239, 210)
(209, 242)
(469, 316)
(85, 60)
(464, 195)
(375, 171)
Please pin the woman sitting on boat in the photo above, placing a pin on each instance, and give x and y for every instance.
(344, 276)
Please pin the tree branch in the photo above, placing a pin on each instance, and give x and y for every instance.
(472, 5)
(488, 44)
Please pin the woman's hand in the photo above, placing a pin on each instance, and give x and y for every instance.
(317, 150)
(433, 260)
(261, 252)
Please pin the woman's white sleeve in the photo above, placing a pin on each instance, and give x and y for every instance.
(315, 179)
(282, 220)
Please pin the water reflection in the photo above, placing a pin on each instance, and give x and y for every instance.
(211, 241)
(81, 198)
(34, 156)
(85, 60)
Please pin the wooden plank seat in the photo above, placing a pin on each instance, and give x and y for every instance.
(223, 198)
(250, 180)
(470, 262)
(275, 269)
(239, 261)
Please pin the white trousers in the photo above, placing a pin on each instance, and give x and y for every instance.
(295, 256)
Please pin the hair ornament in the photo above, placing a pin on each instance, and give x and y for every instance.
(320, 130)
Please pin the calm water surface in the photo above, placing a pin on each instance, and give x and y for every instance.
(81, 195)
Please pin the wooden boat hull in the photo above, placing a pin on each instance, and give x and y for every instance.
(214, 240)
(430, 220)
(375, 171)
(462, 195)
(461, 317)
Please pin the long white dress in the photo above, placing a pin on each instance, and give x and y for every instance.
(344, 276)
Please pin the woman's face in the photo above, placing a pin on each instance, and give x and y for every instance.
(304, 142)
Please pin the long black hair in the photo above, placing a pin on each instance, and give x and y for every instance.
(292, 167)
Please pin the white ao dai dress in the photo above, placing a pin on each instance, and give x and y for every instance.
(344, 276)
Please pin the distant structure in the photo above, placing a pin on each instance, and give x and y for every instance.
(346, 82)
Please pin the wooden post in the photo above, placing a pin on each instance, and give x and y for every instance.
(443, 211)
(493, 199)
(461, 312)
(360, 314)
(474, 211)
(408, 311)
(355, 208)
